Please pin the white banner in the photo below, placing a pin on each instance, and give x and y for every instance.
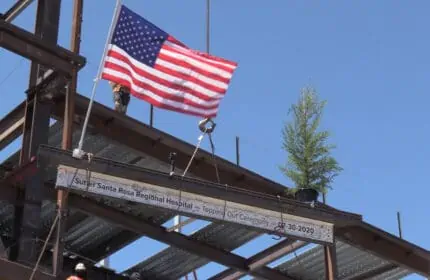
(198, 205)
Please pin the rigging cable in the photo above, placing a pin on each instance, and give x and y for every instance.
(44, 246)
(11, 72)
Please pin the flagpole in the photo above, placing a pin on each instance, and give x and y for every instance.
(208, 18)
(78, 152)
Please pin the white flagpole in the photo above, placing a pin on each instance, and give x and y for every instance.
(78, 152)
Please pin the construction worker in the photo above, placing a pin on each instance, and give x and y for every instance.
(121, 97)
(80, 272)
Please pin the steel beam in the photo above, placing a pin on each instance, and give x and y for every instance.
(158, 144)
(11, 125)
(37, 49)
(13, 271)
(176, 239)
(375, 272)
(330, 262)
(263, 258)
(36, 132)
(52, 156)
(69, 112)
(15, 10)
(387, 246)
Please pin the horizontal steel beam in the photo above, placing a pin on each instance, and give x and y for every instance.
(12, 271)
(176, 239)
(15, 10)
(157, 144)
(53, 157)
(263, 258)
(387, 246)
(11, 125)
(375, 272)
(154, 143)
(28, 45)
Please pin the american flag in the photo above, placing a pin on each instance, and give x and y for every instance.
(163, 71)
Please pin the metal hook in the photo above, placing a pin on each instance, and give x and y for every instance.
(210, 128)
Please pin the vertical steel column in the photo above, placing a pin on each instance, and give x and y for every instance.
(75, 42)
(36, 129)
(330, 258)
(330, 262)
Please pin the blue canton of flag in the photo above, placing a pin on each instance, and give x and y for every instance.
(138, 37)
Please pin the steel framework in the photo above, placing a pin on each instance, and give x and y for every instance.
(26, 180)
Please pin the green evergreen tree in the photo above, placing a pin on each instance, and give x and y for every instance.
(309, 164)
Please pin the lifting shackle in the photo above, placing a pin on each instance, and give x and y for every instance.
(207, 129)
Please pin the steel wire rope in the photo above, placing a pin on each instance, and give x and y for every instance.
(52, 244)
(11, 72)
(199, 141)
(44, 247)
(52, 228)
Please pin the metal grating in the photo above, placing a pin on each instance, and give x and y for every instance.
(351, 262)
(91, 233)
(173, 263)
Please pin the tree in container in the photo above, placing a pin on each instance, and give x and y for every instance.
(310, 164)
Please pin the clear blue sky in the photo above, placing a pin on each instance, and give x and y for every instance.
(369, 59)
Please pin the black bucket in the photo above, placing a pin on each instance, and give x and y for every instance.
(306, 195)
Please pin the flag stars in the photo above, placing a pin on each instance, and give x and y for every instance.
(140, 39)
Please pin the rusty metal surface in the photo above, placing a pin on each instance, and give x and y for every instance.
(91, 234)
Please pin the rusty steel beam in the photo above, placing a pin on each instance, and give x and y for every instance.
(52, 157)
(36, 132)
(11, 125)
(176, 239)
(13, 271)
(330, 263)
(15, 10)
(69, 112)
(387, 246)
(37, 49)
(158, 144)
(375, 272)
(263, 258)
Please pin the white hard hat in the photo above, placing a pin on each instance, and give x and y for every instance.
(80, 266)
